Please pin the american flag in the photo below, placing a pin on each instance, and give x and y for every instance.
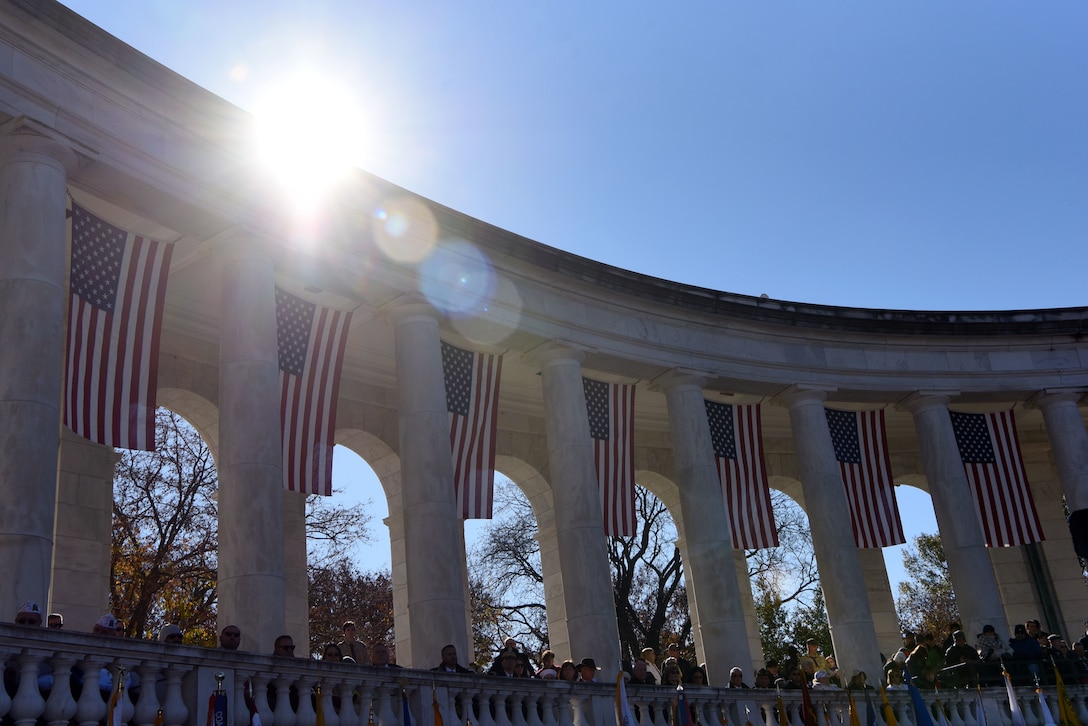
(472, 395)
(611, 409)
(117, 288)
(311, 347)
(738, 451)
(861, 448)
(990, 451)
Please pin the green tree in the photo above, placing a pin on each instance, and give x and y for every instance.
(926, 602)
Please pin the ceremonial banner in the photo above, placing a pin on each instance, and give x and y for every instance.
(117, 291)
(990, 450)
(611, 410)
(861, 448)
(311, 351)
(472, 397)
(738, 453)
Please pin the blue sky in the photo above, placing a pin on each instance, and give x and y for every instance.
(913, 155)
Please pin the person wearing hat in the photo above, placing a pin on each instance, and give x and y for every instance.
(587, 671)
(990, 645)
(29, 615)
(822, 679)
(504, 664)
(650, 657)
(106, 625)
(171, 634)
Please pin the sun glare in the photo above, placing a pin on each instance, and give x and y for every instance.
(310, 132)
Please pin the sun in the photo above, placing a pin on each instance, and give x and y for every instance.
(310, 132)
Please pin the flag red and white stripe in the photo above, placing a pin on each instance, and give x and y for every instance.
(861, 448)
(611, 411)
(472, 396)
(117, 290)
(990, 450)
(311, 353)
(736, 433)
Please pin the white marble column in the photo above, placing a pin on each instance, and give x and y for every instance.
(961, 532)
(708, 563)
(1069, 442)
(296, 584)
(81, 553)
(33, 174)
(432, 522)
(841, 576)
(251, 534)
(579, 521)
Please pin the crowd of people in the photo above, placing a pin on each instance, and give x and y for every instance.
(1027, 656)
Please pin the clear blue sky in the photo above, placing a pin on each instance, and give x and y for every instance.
(923, 154)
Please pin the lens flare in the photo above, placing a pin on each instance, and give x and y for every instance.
(457, 278)
(503, 314)
(405, 229)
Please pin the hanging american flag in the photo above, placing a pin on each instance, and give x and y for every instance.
(861, 448)
(738, 451)
(472, 395)
(117, 288)
(611, 409)
(990, 450)
(311, 347)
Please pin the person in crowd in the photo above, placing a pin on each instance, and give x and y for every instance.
(1024, 646)
(858, 682)
(650, 657)
(449, 662)
(895, 680)
(671, 675)
(170, 634)
(351, 647)
(107, 626)
(547, 662)
(504, 665)
(833, 671)
(796, 679)
(763, 679)
(1057, 648)
(683, 663)
(990, 646)
(29, 615)
(54, 621)
(587, 671)
(773, 670)
(959, 651)
(640, 674)
(922, 675)
(812, 660)
(736, 678)
(793, 659)
(522, 667)
(230, 638)
(548, 674)
(331, 652)
(568, 672)
(698, 676)
(284, 647)
(821, 679)
(380, 656)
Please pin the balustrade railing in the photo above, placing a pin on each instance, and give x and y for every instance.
(55, 678)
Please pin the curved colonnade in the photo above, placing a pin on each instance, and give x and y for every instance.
(139, 146)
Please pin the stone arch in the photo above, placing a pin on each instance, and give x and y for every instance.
(198, 411)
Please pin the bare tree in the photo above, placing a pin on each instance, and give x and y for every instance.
(165, 534)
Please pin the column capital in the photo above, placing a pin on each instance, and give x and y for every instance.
(802, 393)
(24, 139)
(678, 378)
(926, 400)
(411, 307)
(1050, 396)
(557, 350)
(242, 242)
